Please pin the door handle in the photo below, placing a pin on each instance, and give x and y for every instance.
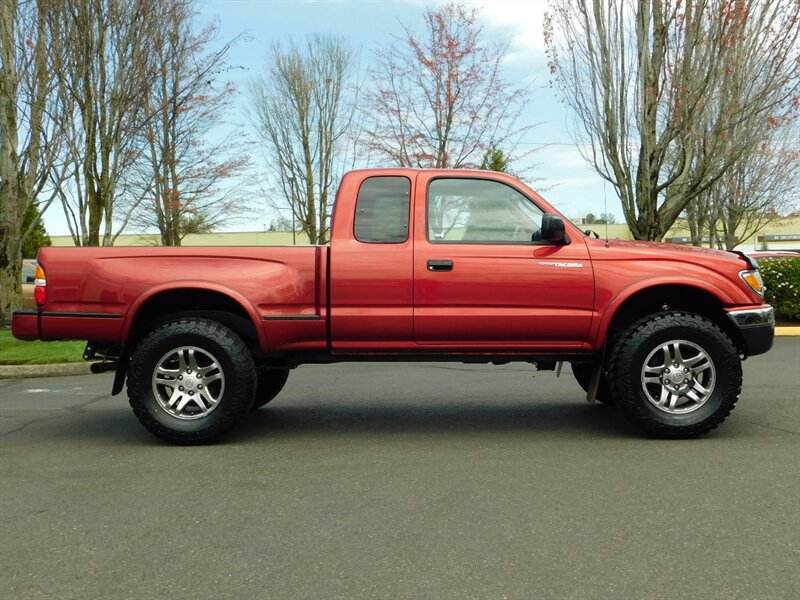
(440, 265)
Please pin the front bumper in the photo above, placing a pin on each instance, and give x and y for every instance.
(757, 326)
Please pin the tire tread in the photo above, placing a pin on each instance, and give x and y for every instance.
(237, 396)
(619, 367)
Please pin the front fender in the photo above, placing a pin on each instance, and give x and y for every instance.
(716, 287)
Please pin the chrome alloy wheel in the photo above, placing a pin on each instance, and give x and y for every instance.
(678, 377)
(188, 382)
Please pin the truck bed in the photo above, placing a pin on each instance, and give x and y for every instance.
(100, 289)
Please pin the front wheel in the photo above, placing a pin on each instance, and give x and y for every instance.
(675, 375)
(191, 381)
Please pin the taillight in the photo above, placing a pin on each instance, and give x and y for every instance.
(40, 291)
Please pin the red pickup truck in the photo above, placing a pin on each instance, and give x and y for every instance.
(469, 266)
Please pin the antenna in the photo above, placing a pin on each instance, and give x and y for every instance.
(605, 210)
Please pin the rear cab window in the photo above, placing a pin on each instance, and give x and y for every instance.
(382, 210)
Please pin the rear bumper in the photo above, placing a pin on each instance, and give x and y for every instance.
(25, 324)
(757, 326)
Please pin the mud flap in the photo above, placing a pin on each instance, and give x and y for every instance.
(594, 384)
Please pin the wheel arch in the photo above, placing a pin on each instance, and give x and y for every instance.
(194, 299)
(625, 309)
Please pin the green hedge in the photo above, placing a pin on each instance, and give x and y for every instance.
(782, 278)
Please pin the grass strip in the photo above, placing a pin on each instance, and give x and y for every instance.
(17, 352)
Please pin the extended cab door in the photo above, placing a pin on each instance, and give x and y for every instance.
(371, 268)
(482, 280)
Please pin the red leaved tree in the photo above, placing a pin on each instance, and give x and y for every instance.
(440, 100)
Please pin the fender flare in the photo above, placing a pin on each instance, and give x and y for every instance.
(172, 286)
(612, 308)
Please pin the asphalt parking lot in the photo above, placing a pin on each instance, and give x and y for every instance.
(401, 481)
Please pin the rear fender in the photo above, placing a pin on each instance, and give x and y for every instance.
(128, 347)
(238, 298)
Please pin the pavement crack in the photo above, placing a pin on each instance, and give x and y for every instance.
(771, 427)
(64, 412)
(28, 424)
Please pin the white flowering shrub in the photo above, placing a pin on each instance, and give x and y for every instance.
(782, 278)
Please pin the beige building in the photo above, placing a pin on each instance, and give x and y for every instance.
(781, 235)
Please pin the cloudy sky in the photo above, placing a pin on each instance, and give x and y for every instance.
(573, 187)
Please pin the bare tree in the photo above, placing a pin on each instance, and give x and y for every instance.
(652, 86)
(303, 112)
(105, 66)
(760, 185)
(181, 169)
(698, 216)
(30, 112)
(756, 191)
(440, 100)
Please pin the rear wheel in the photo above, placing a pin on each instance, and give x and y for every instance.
(191, 381)
(675, 375)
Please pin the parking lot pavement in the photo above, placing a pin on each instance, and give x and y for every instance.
(401, 481)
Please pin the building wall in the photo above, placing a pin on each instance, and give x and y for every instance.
(787, 230)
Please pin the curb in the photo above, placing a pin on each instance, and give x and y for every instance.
(60, 370)
(787, 331)
(54, 370)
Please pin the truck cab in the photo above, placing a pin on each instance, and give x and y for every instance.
(451, 261)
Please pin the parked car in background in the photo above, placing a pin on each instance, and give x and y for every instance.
(28, 282)
(773, 254)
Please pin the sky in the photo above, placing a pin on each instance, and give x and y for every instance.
(570, 184)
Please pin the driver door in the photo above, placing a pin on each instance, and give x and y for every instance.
(482, 281)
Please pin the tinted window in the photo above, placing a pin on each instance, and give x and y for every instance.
(28, 272)
(382, 209)
(480, 211)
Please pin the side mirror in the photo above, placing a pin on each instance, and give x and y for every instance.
(553, 229)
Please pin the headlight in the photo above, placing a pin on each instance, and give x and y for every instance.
(753, 281)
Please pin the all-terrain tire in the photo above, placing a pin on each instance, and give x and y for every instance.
(654, 396)
(191, 356)
(583, 375)
(270, 383)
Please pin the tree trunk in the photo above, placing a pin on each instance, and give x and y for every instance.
(11, 296)
(10, 261)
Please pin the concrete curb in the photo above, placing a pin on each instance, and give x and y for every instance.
(787, 331)
(83, 368)
(55, 370)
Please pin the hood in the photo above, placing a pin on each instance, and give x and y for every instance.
(634, 249)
